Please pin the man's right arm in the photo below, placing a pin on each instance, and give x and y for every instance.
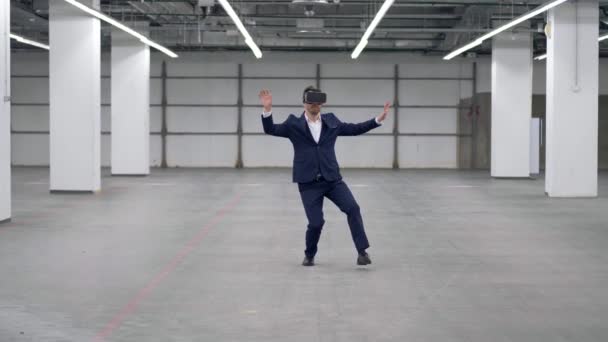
(279, 130)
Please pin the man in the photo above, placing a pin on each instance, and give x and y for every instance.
(315, 167)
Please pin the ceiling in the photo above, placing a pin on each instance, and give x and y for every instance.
(426, 27)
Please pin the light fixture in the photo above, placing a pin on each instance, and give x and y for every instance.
(544, 56)
(235, 18)
(372, 26)
(29, 42)
(463, 49)
(505, 27)
(123, 27)
(362, 44)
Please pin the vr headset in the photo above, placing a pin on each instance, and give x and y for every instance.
(314, 97)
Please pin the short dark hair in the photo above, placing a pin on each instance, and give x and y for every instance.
(310, 88)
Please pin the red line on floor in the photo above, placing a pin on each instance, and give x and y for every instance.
(166, 271)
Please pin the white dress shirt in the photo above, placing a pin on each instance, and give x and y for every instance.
(315, 127)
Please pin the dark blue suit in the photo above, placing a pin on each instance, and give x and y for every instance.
(316, 170)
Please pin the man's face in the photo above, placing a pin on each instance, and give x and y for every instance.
(313, 108)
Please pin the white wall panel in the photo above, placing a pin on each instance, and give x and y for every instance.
(357, 70)
(155, 91)
(155, 150)
(433, 92)
(466, 89)
(428, 120)
(202, 151)
(427, 152)
(357, 115)
(202, 91)
(202, 119)
(280, 70)
(30, 90)
(106, 119)
(252, 121)
(252, 117)
(194, 150)
(284, 92)
(359, 92)
(439, 69)
(33, 63)
(30, 118)
(540, 77)
(30, 149)
(155, 119)
(365, 151)
(155, 65)
(266, 150)
(192, 67)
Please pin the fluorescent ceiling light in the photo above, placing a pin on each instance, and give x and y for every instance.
(235, 18)
(463, 49)
(541, 57)
(254, 48)
(362, 44)
(123, 27)
(507, 26)
(523, 18)
(372, 26)
(29, 42)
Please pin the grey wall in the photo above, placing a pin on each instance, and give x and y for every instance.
(482, 122)
(210, 95)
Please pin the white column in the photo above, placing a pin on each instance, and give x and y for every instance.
(572, 100)
(130, 105)
(74, 98)
(511, 105)
(5, 113)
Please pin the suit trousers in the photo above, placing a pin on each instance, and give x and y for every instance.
(312, 195)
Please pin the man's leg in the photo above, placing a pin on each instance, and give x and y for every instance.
(343, 198)
(312, 198)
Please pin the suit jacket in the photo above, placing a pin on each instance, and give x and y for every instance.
(311, 158)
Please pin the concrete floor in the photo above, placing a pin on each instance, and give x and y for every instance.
(214, 255)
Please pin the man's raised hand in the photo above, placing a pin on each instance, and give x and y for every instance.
(266, 100)
(384, 114)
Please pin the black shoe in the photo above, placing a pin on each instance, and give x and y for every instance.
(308, 261)
(363, 259)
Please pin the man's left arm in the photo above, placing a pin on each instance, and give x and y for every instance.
(364, 127)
